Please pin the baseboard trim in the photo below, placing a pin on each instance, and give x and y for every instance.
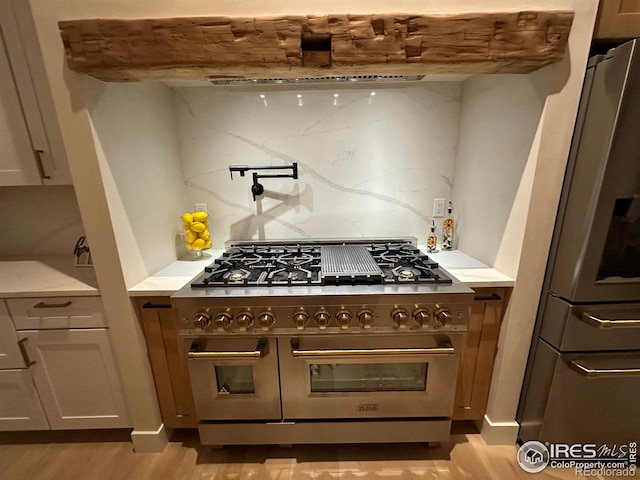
(150, 441)
(499, 433)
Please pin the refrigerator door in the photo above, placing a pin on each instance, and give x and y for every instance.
(583, 397)
(597, 255)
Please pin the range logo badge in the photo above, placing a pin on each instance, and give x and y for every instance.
(366, 407)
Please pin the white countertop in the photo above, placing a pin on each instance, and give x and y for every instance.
(45, 276)
(173, 277)
(470, 271)
(465, 268)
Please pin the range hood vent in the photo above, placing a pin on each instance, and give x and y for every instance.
(345, 79)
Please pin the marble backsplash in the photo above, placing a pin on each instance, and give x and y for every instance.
(370, 161)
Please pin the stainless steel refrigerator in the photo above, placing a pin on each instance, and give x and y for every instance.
(583, 376)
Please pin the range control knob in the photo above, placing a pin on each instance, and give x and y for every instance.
(245, 321)
(223, 321)
(441, 317)
(344, 319)
(322, 319)
(365, 317)
(421, 317)
(201, 321)
(266, 320)
(300, 319)
(400, 317)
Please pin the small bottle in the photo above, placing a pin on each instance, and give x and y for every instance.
(432, 240)
(447, 230)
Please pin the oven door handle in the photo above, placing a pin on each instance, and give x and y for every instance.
(371, 352)
(256, 354)
(598, 322)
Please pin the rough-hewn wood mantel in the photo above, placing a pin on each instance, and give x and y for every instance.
(293, 46)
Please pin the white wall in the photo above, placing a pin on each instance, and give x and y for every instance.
(135, 134)
(39, 220)
(495, 164)
(370, 160)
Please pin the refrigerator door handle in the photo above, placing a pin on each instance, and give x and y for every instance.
(595, 321)
(586, 371)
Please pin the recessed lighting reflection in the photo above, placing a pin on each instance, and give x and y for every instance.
(264, 99)
(299, 100)
(371, 95)
(335, 99)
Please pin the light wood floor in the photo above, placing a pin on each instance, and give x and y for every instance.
(108, 455)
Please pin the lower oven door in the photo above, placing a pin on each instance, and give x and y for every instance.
(234, 378)
(369, 376)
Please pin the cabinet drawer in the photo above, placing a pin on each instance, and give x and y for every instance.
(56, 312)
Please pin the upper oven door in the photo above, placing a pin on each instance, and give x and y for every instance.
(235, 378)
(597, 237)
(360, 376)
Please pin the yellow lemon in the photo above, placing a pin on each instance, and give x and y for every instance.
(200, 217)
(198, 227)
(198, 244)
(187, 218)
(191, 236)
(207, 244)
(204, 235)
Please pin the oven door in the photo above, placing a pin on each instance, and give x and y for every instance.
(369, 376)
(234, 378)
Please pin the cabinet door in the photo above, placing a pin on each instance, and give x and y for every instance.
(618, 19)
(76, 378)
(474, 376)
(17, 157)
(36, 99)
(168, 362)
(20, 407)
(10, 356)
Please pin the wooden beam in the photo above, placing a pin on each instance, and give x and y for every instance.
(201, 48)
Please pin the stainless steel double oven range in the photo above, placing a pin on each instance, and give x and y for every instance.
(331, 341)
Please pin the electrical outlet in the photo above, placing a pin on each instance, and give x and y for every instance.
(438, 207)
(202, 207)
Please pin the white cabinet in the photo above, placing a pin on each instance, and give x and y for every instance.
(58, 367)
(31, 147)
(10, 356)
(17, 157)
(76, 378)
(20, 407)
(56, 312)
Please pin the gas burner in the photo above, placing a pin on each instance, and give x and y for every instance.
(238, 275)
(296, 261)
(407, 273)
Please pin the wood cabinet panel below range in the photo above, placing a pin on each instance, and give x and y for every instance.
(168, 362)
(474, 374)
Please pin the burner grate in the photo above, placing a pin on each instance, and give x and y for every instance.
(345, 263)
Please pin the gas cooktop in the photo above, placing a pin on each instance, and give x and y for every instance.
(321, 262)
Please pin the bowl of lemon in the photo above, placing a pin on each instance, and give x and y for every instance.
(196, 231)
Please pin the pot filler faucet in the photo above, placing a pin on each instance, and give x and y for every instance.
(257, 188)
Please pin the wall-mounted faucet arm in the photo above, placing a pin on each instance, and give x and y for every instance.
(257, 188)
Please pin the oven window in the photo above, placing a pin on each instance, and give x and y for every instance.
(621, 256)
(235, 380)
(368, 377)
